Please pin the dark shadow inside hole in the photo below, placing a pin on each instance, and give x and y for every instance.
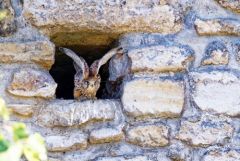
(63, 70)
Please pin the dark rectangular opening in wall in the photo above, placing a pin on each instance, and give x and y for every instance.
(63, 70)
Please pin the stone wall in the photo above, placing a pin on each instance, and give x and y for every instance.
(178, 84)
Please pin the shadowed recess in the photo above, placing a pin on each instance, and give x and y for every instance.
(63, 70)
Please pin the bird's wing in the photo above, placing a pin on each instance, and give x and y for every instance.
(80, 64)
(94, 69)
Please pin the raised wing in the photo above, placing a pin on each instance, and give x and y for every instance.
(94, 69)
(79, 63)
(119, 66)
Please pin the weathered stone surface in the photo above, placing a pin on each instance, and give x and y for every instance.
(53, 159)
(66, 142)
(217, 27)
(160, 58)
(148, 135)
(233, 5)
(153, 97)
(216, 54)
(112, 17)
(7, 22)
(70, 113)
(208, 131)
(39, 52)
(29, 82)
(216, 90)
(22, 109)
(179, 152)
(105, 135)
(236, 50)
(129, 158)
(222, 154)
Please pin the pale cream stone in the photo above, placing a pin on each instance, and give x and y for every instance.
(217, 91)
(208, 131)
(105, 135)
(22, 109)
(29, 82)
(133, 158)
(160, 58)
(153, 97)
(107, 18)
(40, 52)
(228, 155)
(66, 142)
(217, 27)
(148, 135)
(233, 5)
(70, 113)
(217, 57)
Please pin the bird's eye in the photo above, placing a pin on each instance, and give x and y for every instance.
(85, 84)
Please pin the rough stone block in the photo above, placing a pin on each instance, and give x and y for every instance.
(216, 54)
(216, 90)
(215, 27)
(179, 152)
(222, 154)
(40, 52)
(153, 97)
(22, 109)
(70, 113)
(53, 159)
(29, 82)
(160, 58)
(105, 135)
(208, 131)
(128, 158)
(236, 50)
(233, 5)
(66, 142)
(148, 135)
(112, 17)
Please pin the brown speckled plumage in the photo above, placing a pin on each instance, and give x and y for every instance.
(7, 22)
(87, 80)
